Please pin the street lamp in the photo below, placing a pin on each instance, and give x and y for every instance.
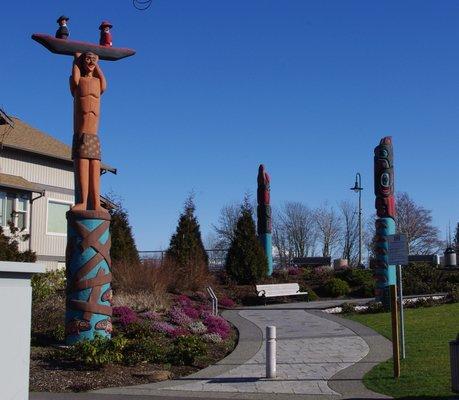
(358, 189)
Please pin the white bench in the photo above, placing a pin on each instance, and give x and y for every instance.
(279, 290)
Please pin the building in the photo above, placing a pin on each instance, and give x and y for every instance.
(36, 188)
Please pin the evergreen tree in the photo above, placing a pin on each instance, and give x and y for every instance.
(246, 261)
(123, 248)
(186, 253)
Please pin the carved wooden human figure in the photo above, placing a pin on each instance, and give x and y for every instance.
(87, 84)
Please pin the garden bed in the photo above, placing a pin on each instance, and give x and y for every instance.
(147, 346)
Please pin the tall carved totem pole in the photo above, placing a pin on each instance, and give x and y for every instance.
(88, 307)
(385, 274)
(264, 227)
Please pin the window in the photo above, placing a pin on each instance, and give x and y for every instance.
(57, 221)
(13, 207)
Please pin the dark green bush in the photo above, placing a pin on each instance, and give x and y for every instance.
(347, 308)
(375, 307)
(138, 330)
(422, 278)
(246, 261)
(453, 295)
(186, 350)
(145, 350)
(97, 352)
(337, 287)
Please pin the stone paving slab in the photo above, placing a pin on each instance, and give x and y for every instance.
(319, 357)
(304, 364)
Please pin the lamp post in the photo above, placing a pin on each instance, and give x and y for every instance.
(358, 189)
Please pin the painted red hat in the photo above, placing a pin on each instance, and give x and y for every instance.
(105, 24)
(62, 18)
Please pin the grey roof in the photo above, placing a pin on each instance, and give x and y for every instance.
(26, 138)
(18, 182)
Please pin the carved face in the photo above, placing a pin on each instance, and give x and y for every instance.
(106, 29)
(89, 62)
(384, 179)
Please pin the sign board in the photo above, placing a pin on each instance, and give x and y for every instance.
(397, 249)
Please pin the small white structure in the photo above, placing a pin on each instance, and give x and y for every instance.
(271, 361)
(15, 311)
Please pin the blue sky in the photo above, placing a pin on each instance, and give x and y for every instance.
(217, 87)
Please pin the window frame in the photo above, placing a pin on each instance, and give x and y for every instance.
(4, 195)
(58, 201)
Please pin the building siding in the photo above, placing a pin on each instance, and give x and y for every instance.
(58, 176)
(37, 169)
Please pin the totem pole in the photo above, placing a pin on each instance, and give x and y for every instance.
(88, 307)
(264, 215)
(385, 274)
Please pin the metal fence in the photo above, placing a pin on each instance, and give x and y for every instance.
(216, 257)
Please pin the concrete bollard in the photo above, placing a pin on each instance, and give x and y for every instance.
(270, 352)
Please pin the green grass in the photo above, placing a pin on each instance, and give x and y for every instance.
(426, 369)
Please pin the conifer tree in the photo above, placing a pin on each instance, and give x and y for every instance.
(186, 252)
(123, 248)
(246, 261)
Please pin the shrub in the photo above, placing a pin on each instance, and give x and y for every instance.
(178, 317)
(142, 286)
(98, 352)
(186, 349)
(312, 296)
(184, 300)
(212, 338)
(198, 328)
(9, 245)
(47, 284)
(138, 329)
(59, 333)
(164, 327)
(150, 315)
(123, 247)
(347, 308)
(245, 260)
(186, 255)
(145, 350)
(226, 302)
(422, 278)
(293, 271)
(125, 315)
(337, 287)
(217, 324)
(190, 312)
(375, 307)
(453, 295)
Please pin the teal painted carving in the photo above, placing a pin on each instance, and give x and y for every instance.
(88, 275)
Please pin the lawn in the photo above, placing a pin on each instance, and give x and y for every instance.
(426, 369)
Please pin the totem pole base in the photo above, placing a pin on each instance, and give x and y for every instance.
(384, 274)
(88, 309)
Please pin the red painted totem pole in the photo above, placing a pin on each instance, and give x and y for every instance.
(385, 210)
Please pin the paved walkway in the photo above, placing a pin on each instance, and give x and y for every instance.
(319, 356)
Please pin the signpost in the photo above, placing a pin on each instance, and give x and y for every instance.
(398, 255)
